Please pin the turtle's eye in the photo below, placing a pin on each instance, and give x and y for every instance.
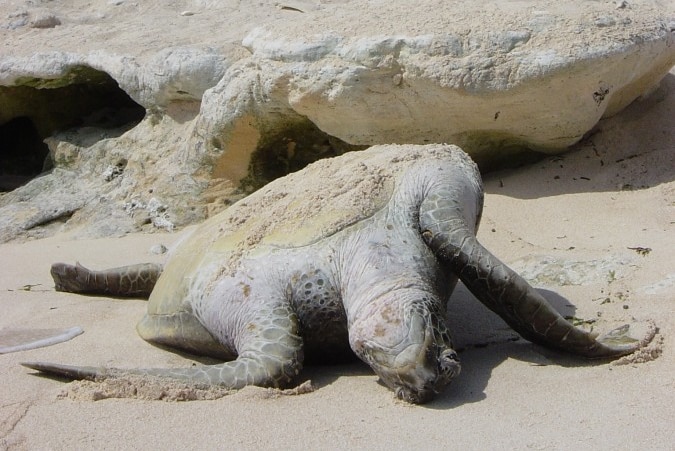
(449, 355)
(449, 363)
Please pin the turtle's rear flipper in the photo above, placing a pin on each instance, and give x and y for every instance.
(506, 293)
(127, 281)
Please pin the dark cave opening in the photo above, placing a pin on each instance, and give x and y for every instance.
(22, 153)
(38, 108)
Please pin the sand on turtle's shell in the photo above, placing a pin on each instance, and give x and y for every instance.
(304, 207)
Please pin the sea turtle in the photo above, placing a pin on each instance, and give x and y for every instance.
(357, 252)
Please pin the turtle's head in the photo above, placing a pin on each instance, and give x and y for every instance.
(407, 346)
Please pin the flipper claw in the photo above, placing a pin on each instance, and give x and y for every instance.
(624, 338)
(66, 371)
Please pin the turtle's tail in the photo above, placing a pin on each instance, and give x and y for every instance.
(126, 281)
(506, 293)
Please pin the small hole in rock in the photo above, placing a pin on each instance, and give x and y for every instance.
(22, 153)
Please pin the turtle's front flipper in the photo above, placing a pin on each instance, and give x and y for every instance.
(246, 370)
(66, 371)
(270, 355)
(127, 281)
(506, 293)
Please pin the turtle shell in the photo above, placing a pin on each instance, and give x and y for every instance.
(296, 210)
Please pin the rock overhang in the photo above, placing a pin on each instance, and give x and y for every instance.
(229, 110)
(541, 84)
(34, 108)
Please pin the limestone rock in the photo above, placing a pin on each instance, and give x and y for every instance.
(191, 105)
(538, 76)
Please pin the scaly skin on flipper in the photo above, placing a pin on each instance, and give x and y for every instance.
(126, 281)
(271, 359)
(503, 291)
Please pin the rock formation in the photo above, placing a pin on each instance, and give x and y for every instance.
(157, 114)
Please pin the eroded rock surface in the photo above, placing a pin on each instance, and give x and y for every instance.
(157, 114)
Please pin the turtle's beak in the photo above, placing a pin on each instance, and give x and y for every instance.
(415, 397)
(423, 369)
(406, 347)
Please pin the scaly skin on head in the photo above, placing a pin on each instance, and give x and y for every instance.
(403, 337)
